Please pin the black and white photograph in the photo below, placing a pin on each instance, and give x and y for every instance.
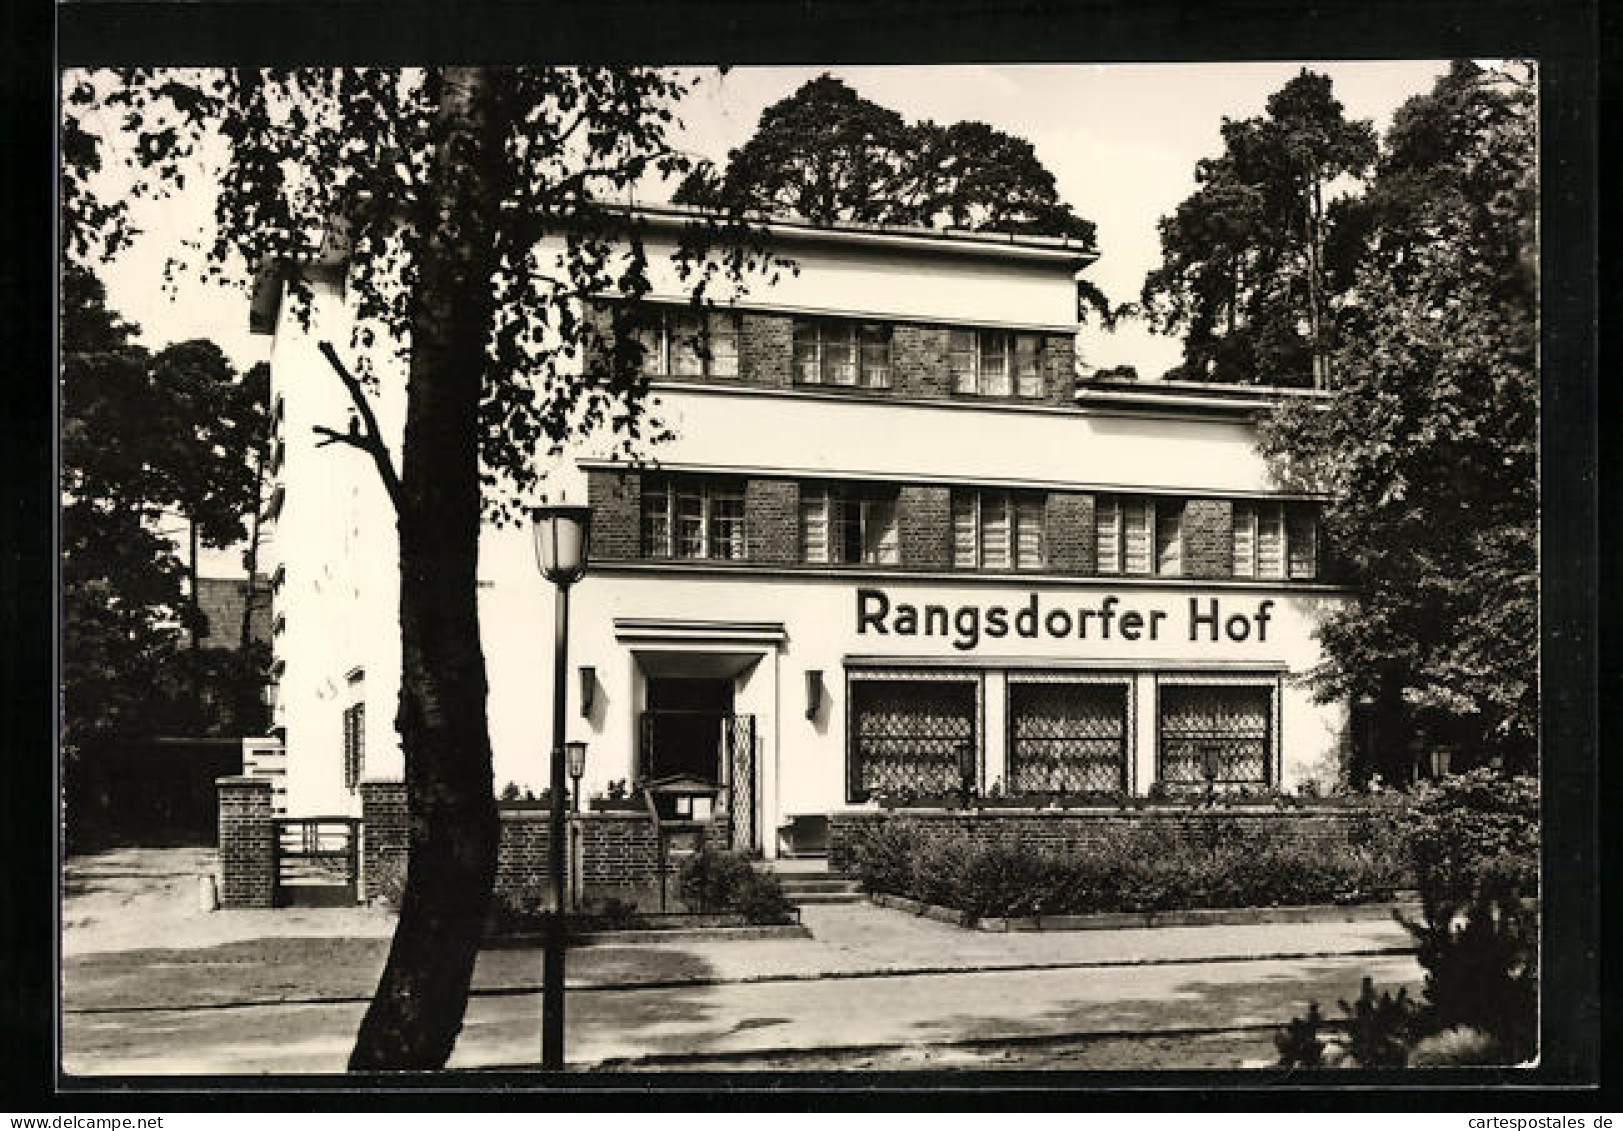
(953, 568)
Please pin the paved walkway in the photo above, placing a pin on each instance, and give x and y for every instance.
(625, 1028)
(153, 983)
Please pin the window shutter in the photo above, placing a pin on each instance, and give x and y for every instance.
(881, 533)
(1168, 536)
(1028, 533)
(963, 530)
(1270, 540)
(814, 523)
(1136, 520)
(1107, 527)
(995, 530)
(1245, 540)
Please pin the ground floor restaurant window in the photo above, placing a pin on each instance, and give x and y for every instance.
(907, 735)
(1068, 737)
(1223, 732)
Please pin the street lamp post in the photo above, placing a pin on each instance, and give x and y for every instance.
(561, 535)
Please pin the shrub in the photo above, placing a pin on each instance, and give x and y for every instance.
(1379, 1027)
(1473, 844)
(388, 880)
(715, 881)
(1157, 865)
(1474, 840)
(1298, 1041)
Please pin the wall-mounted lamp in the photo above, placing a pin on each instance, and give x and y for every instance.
(575, 761)
(588, 689)
(814, 691)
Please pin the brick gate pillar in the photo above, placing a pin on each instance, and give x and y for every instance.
(247, 843)
(384, 835)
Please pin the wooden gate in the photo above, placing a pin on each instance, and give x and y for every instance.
(317, 861)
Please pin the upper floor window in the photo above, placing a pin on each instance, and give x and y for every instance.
(1139, 535)
(997, 530)
(354, 744)
(688, 343)
(996, 363)
(829, 352)
(847, 524)
(1276, 540)
(690, 517)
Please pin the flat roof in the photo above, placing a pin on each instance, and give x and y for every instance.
(331, 249)
(1020, 245)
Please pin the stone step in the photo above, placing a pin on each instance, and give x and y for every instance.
(792, 884)
(804, 897)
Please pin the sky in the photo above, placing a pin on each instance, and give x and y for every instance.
(1121, 140)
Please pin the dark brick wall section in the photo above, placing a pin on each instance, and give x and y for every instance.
(222, 600)
(918, 360)
(1208, 538)
(1068, 525)
(616, 501)
(766, 350)
(247, 843)
(772, 520)
(925, 518)
(1074, 831)
(1059, 369)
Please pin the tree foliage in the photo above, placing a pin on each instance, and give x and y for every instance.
(1255, 259)
(828, 155)
(473, 211)
(146, 440)
(1428, 447)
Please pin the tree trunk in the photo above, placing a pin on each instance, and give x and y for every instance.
(1313, 225)
(247, 690)
(196, 644)
(417, 1011)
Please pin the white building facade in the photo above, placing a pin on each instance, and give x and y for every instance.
(895, 539)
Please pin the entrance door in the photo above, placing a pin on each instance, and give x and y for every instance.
(682, 728)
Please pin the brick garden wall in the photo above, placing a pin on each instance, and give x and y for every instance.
(619, 849)
(1075, 830)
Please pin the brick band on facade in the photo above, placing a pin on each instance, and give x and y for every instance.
(1208, 538)
(772, 520)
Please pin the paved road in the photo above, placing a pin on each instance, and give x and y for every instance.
(614, 1025)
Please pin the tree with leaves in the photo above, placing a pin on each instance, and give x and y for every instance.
(1253, 262)
(1428, 446)
(828, 155)
(475, 207)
